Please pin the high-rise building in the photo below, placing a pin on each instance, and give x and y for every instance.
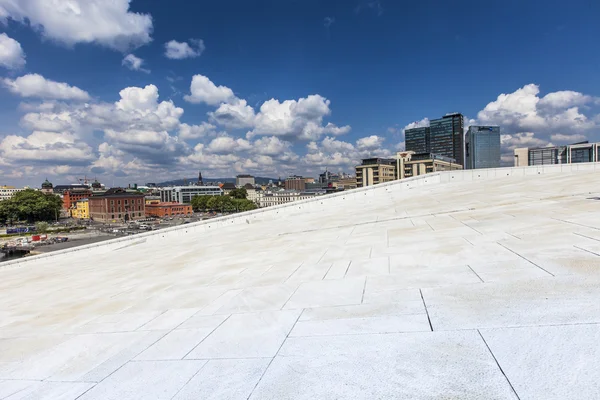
(242, 180)
(482, 147)
(295, 182)
(418, 140)
(447, 136)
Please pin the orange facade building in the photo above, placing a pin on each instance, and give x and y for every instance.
(168, 209)
(70, 197)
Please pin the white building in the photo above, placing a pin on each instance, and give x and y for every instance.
(253, 194)
(285, 196)
(242, 180)
(6, 192)
(184, 194)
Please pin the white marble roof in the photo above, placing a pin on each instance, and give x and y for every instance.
(477, 288)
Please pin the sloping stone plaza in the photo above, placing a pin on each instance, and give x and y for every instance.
(453, 289)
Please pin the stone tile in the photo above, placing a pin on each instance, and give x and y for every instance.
(363, 311)
(549, 362)
(225, 380)
(422, 276)
(327, 293)
(354, 326)
(176, 344)
(152, 380)
(170, 319)
(258, 299)
(247, 335)
(415, 366)
(203, 322)
(125, 322)
(19, 349)
(74, 358)
(337, 269)
(219, 302)
(52, 391)
(372, 266)
(520, 303)
(8, 388)
(308, 272)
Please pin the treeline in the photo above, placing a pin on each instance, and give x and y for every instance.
(30, 205)
(235, 201)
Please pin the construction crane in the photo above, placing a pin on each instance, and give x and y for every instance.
(85, 180)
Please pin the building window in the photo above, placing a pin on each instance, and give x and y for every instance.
(119, 215)
(139, 201)
(126, 202)
(112, 202)
(112, 216)
(118, 201)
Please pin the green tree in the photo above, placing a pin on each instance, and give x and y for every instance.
(200, 203)
(41, 227)
(213, 203)
(239, 193)
(30, 205)
(244, 205)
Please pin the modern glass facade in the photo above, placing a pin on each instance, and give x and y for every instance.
(447, 137)
(547, 155)
(418, 140)
(482, 147)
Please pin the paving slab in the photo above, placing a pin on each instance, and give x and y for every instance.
(152, 380)
(399, 366)
(549, 362)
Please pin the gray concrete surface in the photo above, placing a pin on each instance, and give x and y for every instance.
(466, 289)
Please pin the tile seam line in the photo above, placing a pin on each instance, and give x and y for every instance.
(205, 337)
(514, 252)
(426, 310)
(189, 380)
(498, 364)
(273, 359)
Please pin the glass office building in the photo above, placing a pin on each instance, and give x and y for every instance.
(418, 140)
(447, 136)
(482, 147)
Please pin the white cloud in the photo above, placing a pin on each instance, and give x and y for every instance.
(179, 50)
(203, 90)
(564, 99)
(187, 132)
(416, 124)
(271, 146)
(562, 138)
(372, 142)
(49, 147)
(105, 22)
(227, 145)
(34, 85)
(12, 55)
(134, 63)
(233, 115)
(49, 122)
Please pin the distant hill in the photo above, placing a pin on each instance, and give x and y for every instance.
(179, 182)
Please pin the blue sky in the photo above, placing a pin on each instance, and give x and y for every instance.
(336, 80)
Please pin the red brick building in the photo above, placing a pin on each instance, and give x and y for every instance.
(72, 196)
(117, 205)
(167, 209)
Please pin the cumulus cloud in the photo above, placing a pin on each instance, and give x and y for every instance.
(179, 50)
(227, 145)
(34, 85)
(530, 120)
(134, 63)
(331, 152)
(234, 115)
(49, 147)
(106, 23)
(203, 90)
(12, 55)
(187, 132)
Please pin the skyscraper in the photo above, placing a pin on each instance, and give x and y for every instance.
(482, 145)
(418, 140)
(447, 137)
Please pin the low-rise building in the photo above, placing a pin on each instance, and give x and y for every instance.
(375, 170)
(117, 205)
(6, 192)
(151, 199)
(569, 154)
(47, 187)
(81, 209)
(269, 199)
(228, 187)
(161, 210)
(409, 163)
(184, 194)
(72, 196)
(253, 194)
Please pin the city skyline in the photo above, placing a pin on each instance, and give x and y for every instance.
(298, 89)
